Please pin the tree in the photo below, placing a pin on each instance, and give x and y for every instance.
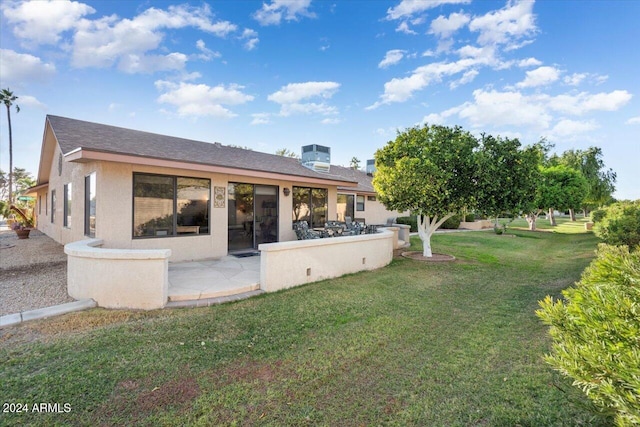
(595, 332)
(285, 152)
(430, 171)
(508, 176)
(600, 181)
(8, 98)
(561, 188)
(355, 163)
(620, 224)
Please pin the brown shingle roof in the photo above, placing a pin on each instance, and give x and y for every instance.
(73, 134)
(365, 183)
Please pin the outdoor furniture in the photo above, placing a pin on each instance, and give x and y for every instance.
(303, 232)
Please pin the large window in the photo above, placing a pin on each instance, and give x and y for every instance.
(170, 205)
(345, 206)
(310, 204)
(90, 205)
(67, 205)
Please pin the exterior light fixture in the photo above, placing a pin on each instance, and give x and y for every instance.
(286, 191)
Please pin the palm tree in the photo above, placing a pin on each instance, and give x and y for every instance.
(8, 98)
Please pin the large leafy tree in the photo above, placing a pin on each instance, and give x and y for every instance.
(8, 99)
(508, 175)
(430, 171)
(561, 188)
(600, 180)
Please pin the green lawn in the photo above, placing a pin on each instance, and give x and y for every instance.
(565, 225)
(447, 344)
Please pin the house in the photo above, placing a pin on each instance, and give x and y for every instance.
(139, 190)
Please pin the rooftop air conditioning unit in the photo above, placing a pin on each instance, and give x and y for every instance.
(316, 157)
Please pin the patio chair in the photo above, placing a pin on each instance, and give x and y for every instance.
(303, 232)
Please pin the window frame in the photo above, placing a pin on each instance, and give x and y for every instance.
(311, 206)
(359, 203)
(67, 203)
(174, 206)
(87, 205)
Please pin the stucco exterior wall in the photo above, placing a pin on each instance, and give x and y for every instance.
(374, 211)
(114, 208)
(288, 264)
(117, 278)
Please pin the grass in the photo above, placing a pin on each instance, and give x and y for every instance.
(565, 225)
(447, 344)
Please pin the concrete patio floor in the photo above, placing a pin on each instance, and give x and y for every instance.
(213, 278)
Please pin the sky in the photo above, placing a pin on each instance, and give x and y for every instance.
(346, 74)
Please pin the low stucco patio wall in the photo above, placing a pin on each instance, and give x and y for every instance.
(118, 278)
(288, 264)
(477, 225)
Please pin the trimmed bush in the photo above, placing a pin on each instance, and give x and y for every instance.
(597, 215)
(469, 218)
(620, 224)
(409, 220)
(595, 333)
(452, 223)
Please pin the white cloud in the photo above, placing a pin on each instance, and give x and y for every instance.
(42, 22)
(206, 54)
(290, 10)
(331, 121)
(201, 100)
(467, 77)
(434, 119)
(110, 40)
(407, 8)
(31, 101)
(251, 37)
(260, 119)
(290, 96)
(584, 102)
(529, 62)
(540, 77)
(21, 67)
(392, 57)
(633, 121)
(403, 27)
(295, 92)
(445, 27)
(569, 129)
(506, 26)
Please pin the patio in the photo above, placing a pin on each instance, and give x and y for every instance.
(213, 278)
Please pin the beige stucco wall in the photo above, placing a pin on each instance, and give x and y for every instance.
(114, 208)
(288, 264)
(374, 211)
(117, 278)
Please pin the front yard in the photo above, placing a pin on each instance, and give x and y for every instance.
(414, 343)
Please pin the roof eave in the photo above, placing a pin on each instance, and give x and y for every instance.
(85, 155)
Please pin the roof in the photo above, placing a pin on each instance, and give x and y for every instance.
(365, 181)
(76, 135)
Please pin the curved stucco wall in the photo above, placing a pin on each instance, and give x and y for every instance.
(288, 264)
(117, 278)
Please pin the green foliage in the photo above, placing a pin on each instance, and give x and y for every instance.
(597, 215)
(620, 224)
(508, 175)
(595, 332)
(561, 188)
(469, 217)
(427, 170)
(452, 223)
(409, 220)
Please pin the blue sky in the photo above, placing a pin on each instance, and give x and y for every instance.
(346, 74)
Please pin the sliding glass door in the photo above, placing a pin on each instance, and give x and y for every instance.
(253, 215)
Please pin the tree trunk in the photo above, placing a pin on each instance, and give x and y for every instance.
(572, 214)
(552, 219)
(426, 228)
(531, 219)
(10, 156)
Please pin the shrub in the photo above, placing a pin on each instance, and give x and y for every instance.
(620, 224)
(452, 223)
(469, 218)
(409, 220)
(595, 332)
(597, 215)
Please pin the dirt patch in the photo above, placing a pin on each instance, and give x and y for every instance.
(435, 258)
